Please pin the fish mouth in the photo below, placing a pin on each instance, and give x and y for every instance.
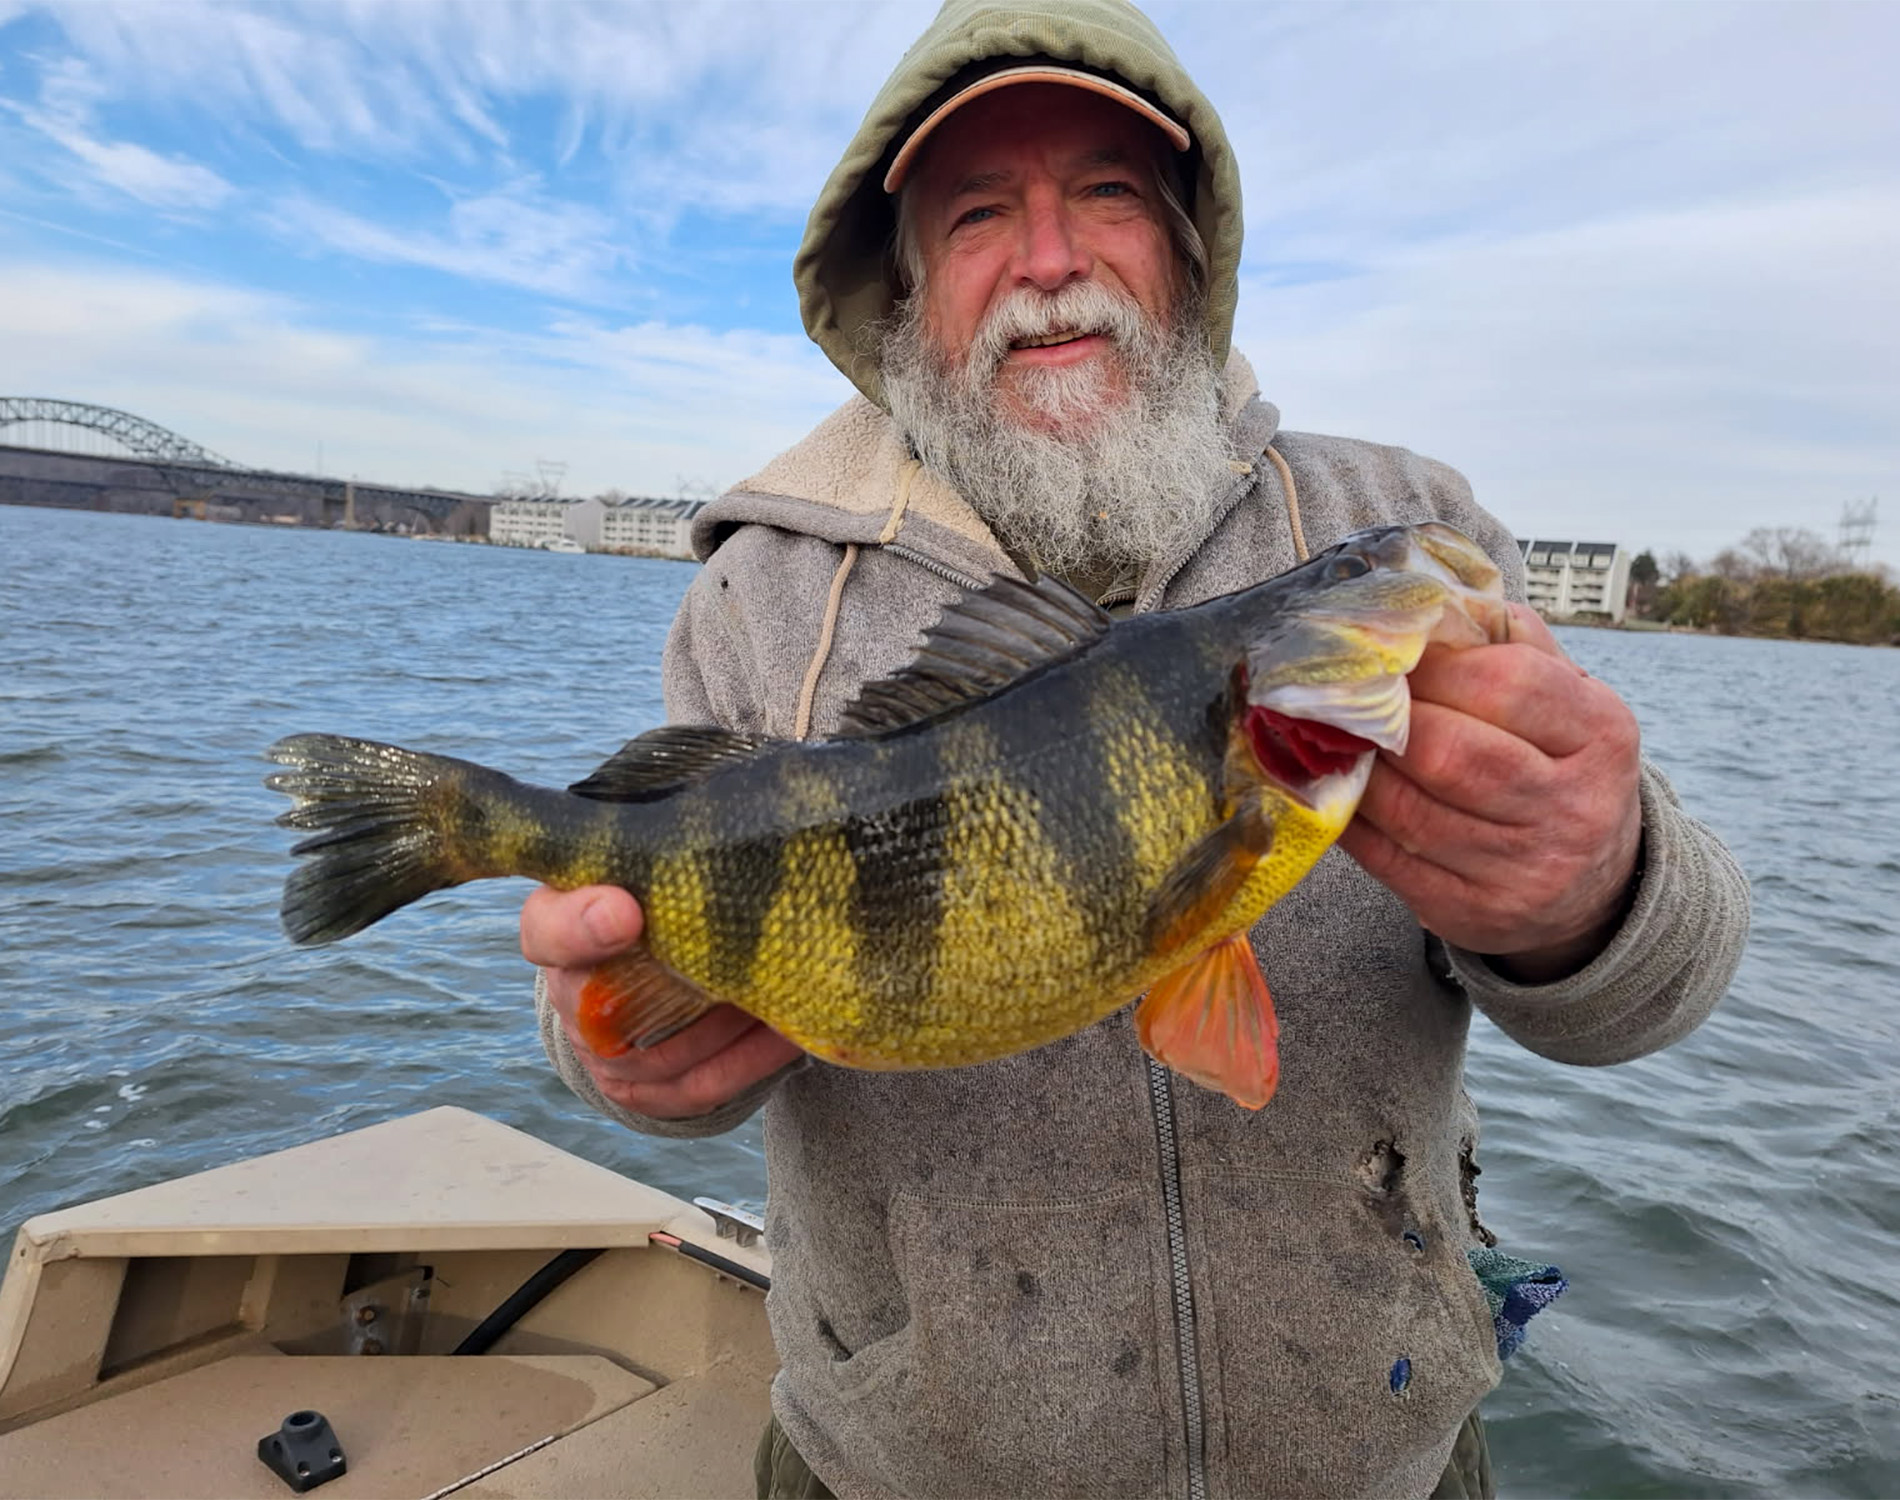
(1474, 608)
(1320, 764)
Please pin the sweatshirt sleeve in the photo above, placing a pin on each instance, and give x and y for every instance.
(1678, 948)
(707, 678)
(1661, 974)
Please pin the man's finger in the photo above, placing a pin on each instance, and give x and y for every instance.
(580, 928)
(1542, 698)
(1472, 766)
(756, 1053)
(1528, 629)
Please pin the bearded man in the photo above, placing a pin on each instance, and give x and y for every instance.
(1067, 1272)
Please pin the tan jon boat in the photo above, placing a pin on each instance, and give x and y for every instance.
(149, 1341)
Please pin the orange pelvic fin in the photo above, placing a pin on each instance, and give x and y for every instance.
(1213, 1022)
(635, 1001)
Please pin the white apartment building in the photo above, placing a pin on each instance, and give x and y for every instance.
(537, 521)
(649, 526)
(1576, 578)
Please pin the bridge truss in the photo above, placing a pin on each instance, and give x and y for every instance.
(194, 474)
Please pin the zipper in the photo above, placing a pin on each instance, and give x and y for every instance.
(1160, 1100)
(1161, 1104)
(931, 565)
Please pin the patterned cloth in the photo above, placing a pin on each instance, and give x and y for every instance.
(1517, 1291)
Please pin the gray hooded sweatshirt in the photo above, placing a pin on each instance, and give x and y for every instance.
(1069, 1272)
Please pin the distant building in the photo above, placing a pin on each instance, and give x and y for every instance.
(1576, 578)
(537, 521)
(650, 527)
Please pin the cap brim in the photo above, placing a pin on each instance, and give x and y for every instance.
(1108, 88)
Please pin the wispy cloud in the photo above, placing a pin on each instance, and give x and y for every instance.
(1639, 276)
(705, 104)
(262, 380)
(1673, 377)
(515, 236)
(69, 94)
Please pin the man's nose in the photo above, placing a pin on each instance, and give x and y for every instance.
(1052, 253)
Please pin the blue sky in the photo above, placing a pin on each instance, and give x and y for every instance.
(1634, 269)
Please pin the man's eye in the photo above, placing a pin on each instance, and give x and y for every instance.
(975, 215)
(1110, 189)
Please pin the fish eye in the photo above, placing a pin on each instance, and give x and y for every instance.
(1347, 565)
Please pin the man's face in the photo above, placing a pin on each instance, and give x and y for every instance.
(1025, 192)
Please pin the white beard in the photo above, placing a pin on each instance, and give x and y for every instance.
(1129, 466)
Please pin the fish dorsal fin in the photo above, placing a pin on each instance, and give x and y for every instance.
(664, 759)
(982, 642)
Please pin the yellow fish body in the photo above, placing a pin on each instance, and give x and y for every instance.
(1040, 818)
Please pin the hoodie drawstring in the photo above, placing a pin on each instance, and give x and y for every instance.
(904, 480)
(1292, 501)
(808, 692)
(802, 725)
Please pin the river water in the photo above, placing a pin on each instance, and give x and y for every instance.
(1728, 1212)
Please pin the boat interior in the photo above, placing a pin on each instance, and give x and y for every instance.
(469, 1309)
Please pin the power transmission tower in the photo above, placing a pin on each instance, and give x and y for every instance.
(1857, 532)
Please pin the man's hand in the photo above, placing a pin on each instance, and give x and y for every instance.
(1511, 824)
(690, 1073)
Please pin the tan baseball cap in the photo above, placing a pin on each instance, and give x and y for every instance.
(1095, 83)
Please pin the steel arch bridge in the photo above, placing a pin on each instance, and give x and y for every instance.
(137, 436)
(193, 473)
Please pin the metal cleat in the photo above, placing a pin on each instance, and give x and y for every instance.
(733, 1223)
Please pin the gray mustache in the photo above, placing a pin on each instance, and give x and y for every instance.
(1082, 307)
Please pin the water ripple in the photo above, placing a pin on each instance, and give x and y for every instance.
(1727, 1210)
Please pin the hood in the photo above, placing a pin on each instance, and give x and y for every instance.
(844, 273)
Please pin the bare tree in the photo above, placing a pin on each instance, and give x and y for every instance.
(1791, 552)
(517, 486)
(1677, 566)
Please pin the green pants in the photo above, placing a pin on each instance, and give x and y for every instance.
(781, 1474)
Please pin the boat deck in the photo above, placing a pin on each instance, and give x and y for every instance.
(148, 1341)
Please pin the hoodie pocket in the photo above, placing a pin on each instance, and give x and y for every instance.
(1361, 1343)
(1029, 1363)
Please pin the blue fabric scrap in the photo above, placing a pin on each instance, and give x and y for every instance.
(1516, 1290)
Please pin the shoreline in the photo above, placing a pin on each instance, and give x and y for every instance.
(1658, 627)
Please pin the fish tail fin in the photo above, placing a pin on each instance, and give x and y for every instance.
(1212, 1021)
(390, 826)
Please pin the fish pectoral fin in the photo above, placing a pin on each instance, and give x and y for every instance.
(636, 1001)
(1213, 1022)
(1207, 877)
(664, 759)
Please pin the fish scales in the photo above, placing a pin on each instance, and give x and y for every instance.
(1008, 909)
(1060, 753)
(958, 882)
(678, 894)
(1166, 753)
(900, 858)
(720, 876)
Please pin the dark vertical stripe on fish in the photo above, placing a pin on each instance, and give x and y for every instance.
(1194, 703)
(1075, 818)
(897, 902)
(742, 879)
